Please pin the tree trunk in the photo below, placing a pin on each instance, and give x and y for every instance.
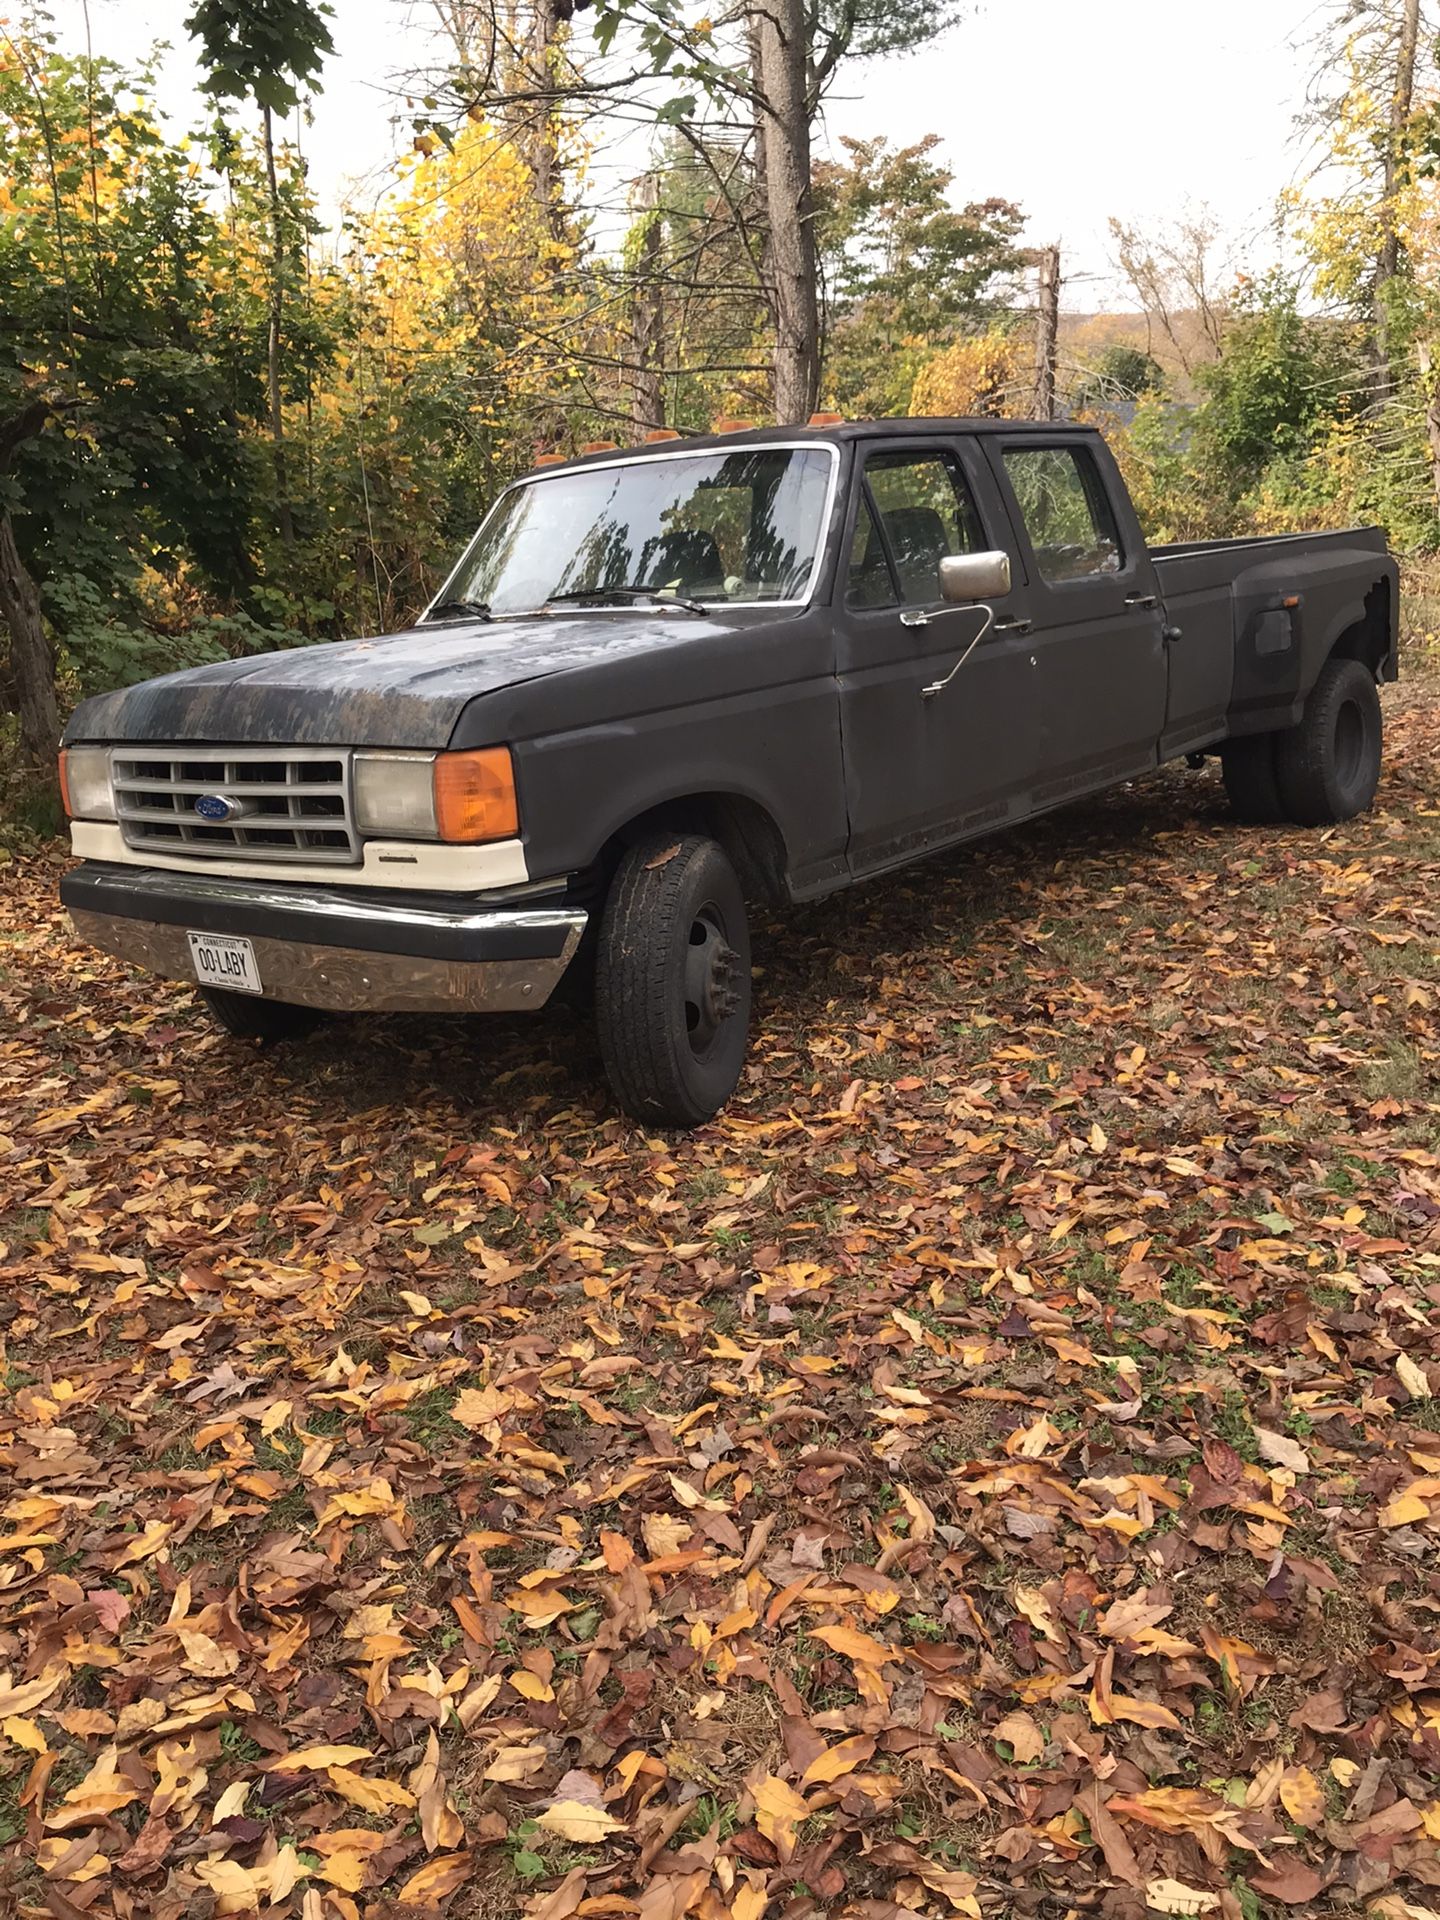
(32, 662)
(781, 46)
(1047, 333)
(541, 145)
(1431, 386)
(1387, 265)
(277, 299)
(647, 319)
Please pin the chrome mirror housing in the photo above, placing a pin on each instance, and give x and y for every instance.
(975, 576)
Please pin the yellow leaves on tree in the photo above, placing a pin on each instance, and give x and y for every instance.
(979, 374)
(463, 259)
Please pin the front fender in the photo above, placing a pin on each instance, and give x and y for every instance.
(777, 749)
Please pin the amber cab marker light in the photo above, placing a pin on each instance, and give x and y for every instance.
(657, 434)
(65, 784)
(475, 796)
(826, 420)
(601, 446)
(726, 425)
(548, 459)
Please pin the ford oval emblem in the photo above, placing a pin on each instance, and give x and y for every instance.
(216, 806)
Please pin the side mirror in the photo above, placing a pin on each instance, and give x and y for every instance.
(975, 576)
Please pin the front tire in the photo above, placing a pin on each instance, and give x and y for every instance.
(672, 980)
(247, 1017)
(1328, 766)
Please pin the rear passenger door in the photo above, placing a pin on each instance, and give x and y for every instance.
(1100, 685)
(922, 772)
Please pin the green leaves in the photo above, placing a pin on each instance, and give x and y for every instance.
(265, 48)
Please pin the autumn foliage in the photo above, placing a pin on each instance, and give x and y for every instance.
(992, 1470)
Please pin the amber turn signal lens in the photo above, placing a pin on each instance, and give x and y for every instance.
(475, 795)
(65, 784)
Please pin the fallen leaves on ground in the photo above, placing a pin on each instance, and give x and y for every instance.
(994, 1470)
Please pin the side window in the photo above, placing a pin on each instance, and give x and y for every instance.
(925, 511)
(1066, 511)
(869, 583)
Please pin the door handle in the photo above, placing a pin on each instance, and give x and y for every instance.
(1014, 624)
(1140, 600)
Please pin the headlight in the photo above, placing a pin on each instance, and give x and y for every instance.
(457, 797)
(85, 783)
(395, 795)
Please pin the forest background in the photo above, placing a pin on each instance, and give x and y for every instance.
(226, 426)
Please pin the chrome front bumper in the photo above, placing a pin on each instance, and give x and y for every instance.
(340, 951)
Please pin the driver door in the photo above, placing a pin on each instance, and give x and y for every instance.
(920, 773)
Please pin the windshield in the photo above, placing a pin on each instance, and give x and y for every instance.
(737, 528)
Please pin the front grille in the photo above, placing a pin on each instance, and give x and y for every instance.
(293, 803)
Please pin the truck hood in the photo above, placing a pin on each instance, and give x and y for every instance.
(398, 690)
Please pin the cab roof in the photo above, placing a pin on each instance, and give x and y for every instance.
(837, 434)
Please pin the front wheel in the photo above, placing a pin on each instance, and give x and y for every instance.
(672, 980)
(248, 1017)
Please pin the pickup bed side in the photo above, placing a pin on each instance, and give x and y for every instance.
(1266, 614)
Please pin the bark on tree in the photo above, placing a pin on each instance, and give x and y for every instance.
(277, 309)
(647, 320)
(1430, 380)
(32, 661)
(782, 81)
(1047, 332)
(1387, 264)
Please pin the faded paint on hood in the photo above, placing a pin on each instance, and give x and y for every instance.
(398, 690)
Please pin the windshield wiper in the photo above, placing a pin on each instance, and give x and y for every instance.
(661, 595)
(453, 609)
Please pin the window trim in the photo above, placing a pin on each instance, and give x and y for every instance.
(1092, 482)
(948, 454)
(867, 504)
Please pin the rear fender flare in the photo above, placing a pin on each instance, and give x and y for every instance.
(1351, 614)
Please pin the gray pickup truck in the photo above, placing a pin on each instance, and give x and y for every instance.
(663, 681)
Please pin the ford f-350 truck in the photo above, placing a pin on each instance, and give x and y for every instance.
(662, 682)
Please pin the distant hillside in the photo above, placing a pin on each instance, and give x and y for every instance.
(1084, 335)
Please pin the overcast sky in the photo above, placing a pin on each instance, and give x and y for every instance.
(1077, 112)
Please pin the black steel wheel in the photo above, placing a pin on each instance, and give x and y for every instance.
(248, 1017)
(1328, 766)
(672, 980)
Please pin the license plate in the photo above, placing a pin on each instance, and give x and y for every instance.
(225, 960)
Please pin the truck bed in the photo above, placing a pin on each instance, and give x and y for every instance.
(1257, 616)
(1211, 561)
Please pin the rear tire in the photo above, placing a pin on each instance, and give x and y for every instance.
(1251, 784)
(672, 980)
(247, 1017)
(1328, 766)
